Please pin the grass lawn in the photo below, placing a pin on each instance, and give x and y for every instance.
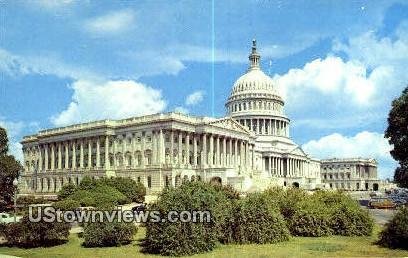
(335, 246)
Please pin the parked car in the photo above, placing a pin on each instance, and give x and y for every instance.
(8, 218)
(139, 208)
(381, 203)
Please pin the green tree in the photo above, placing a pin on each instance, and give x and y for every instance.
(9, 169)
(397, 134)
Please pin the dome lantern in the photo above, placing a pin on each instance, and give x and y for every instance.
(254, 57)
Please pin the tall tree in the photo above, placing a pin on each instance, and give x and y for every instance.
(397, 134)
(9, 169)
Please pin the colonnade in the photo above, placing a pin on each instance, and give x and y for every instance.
(285, 167)
(266, 126)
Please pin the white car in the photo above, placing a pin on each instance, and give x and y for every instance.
(8, 218)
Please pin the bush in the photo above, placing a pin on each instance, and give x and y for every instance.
(311, 218)
(67, 205)
(134, 191)
(228, 190)
(187, 238)
(87, 183)
(36, 234)
(102, 196)
(66, 191)
(255, 220)
(286, 200)
(395, 233)
(99, 234)
(346, 216)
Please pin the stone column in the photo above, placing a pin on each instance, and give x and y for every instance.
(224, 151)
(162, 149)
(81, 154)
(98, 153)
(211, 154)
(59, 156)
(194, 149)
(46, 157)
(253, 156)
(242, 154)
(247, 155)
(52, 157)
(66, 145)
(143, 139)
(172, 148)
(270, 166)
(235, 153)
(89, 153)
(187, 141)
(115, 150)
(73, 155)
(107, 161)
(229, 152)
(258, 130)
(133, 150)
(154, 147)
(180, 147)
(40, 163)
(217, 151)
(204, 150)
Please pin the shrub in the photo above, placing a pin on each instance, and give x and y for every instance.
(35, 234)
(102, 196)
(134, 191)
(346, 216)
(187, 238)
(286, 199)
(99, 234)
(87, 183)
(311, 218)
(228, 190)
(66, 191)
(395, 233)
(255, 220)
(67, 205)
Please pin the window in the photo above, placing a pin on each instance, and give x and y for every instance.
(139, 139)
(149, 138)
(149, 181)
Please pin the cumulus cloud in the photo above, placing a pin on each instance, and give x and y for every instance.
(109, 100)
(14, 133)
(330, 76)
(15, 65)
(195, 98)
(364, 144)
(113, 22)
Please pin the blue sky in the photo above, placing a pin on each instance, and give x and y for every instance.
(338, 64)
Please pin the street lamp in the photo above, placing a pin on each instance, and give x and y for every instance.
(15, 184)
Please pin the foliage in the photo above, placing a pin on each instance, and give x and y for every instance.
(102, 196)
(66, 191)
(35, 234)
(134, 191)
(187, 238)
(228, 190)
(87, 183)
(3, 142)
(29, 199)
(67, 205)
(9, 170)
(255, 220)
(311, 218)
(346, 216)
(99, 234)
(395, 233)
(397, 134)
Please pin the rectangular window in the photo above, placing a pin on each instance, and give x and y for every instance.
(149, 181)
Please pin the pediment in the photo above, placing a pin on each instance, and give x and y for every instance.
(229, 123)
(297, 151)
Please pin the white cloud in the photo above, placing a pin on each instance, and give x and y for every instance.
(15, 65)
(109, 100)
(181, 110)
(331, 76)
(112, 22)
(195, 98)
(14, 133)
(364, 144)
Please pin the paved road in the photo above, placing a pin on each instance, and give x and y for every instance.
(382, 216)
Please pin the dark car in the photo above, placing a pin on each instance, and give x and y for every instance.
(139, 208)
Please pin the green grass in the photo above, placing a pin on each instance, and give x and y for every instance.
(334, 246)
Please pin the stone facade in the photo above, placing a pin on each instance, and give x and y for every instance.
(250, 148)
(350, 174)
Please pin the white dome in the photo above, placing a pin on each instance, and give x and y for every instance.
(254, 81)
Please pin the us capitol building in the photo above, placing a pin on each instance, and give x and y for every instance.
(250, 148)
